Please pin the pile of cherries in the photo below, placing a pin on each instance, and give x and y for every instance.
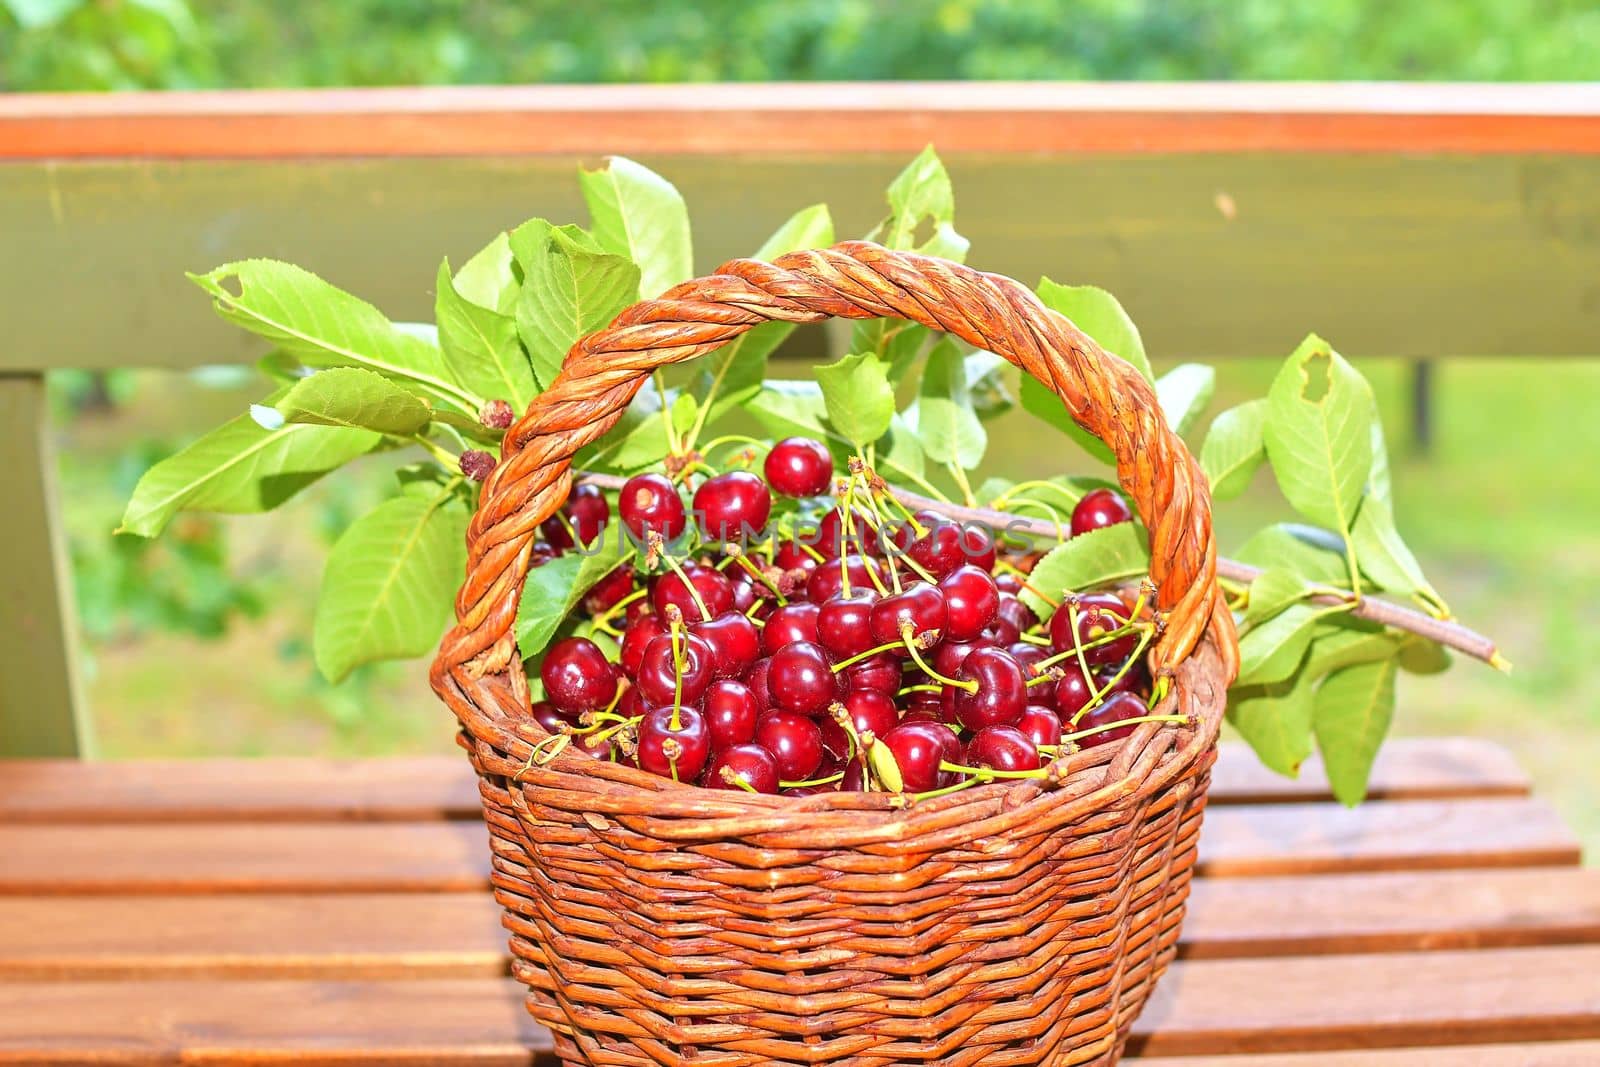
(860, 648)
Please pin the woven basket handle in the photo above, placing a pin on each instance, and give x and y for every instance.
(855, 280)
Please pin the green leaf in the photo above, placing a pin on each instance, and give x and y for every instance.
(350, 396)
(481, 346)
(1276, 589)
(323, 326)
(1314, 554)
(922, 192)
(1110, 554)
(857, 397)
(1342, 641)
(1270, 652)
(389, 582)
(489, 279)
(1098, 314)
(1318, 433)
(986, 384)
(1276, 721)
(283, 368)
(1383, 556)
(554, 589)
(943, 415)
(1184, 391)
(731, 375)
(637, 214)
(900, 454)
(1379, 482)
(896, 341)
(1418, 655)
(639, 439)
(1234, 449)
(569, 290)
(240, 467)
(1354, 708)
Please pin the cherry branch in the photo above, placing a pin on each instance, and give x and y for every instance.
(1445, 632)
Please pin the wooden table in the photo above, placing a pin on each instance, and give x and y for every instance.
(319, 912)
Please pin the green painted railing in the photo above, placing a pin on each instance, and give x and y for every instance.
(1415, 221)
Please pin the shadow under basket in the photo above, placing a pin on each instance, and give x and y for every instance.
(1021, 922)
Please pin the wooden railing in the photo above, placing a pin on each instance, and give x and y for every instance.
(1401, 220)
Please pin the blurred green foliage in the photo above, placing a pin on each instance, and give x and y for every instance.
(168, 44)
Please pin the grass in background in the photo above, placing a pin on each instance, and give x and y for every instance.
(1503, 515)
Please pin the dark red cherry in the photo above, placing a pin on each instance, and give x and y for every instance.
(971, 600)
(712, 585)
(828, 578)
(1002, 748)
(1098, 614)
(735, 642)
(855, 778)
(1008, 584)
(636, 610)
(588, 512)
(750, 763)
(924, 712)
(795, 740)
(609, 591)
(1001, 692)
(1015, 612)
(757, 681)
(799, 678)
(1098, 509)
(577, 676)
(650, 503)
(947, 544)
(746, 593)
(731, 713)
(549, 718)
(799, 466)
(918, 749)
(872, 710)
(1039, 725)
(950, 655)
(832, 540)
(790, 556)
(1117, 707)
(881, 673)
(658, 673)
(1072, 692)
(634, 638)
(788, 624)
(732, 506)
(674, 753)
(541, 553)
(835, 741)
(1135, 680)
(844, 623)
(921, 605)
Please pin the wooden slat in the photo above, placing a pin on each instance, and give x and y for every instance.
(1405, 255)
(443, 787)
(1543, 1054)
(41, 707)
(1200, 1008)
(453, 935)
(397, 856)
(809, 117)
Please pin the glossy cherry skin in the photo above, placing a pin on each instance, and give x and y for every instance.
(549, 718)
(657, 738)
(872, 710)
(881, 673)
(855, 778)
(844, 623)
(950, 655)
(790, 556)
(735, 642)
(1072, 692)
(1098, 615)
(731, 713)
(1039, 725)
(800, 679)
(827, 579)
(832, 540)
(650, 503)
(1001, 690)
(971, 601)
(1098, 509)
(541, 553)
(732, 506)
(756, 679)
(746, 592)
(634, 638)
(1002, 748)
(750, 763)
(1016, 612)
(588, 512)
(1008, 584)
(920, 604)
(795, 740)
(1118, 706)
(947, 545)
(924, 713)
(657, 678)
(608, 591)
(712, 585)
(799, 467)
(788, 624)
(918, 749)
(577, 676)
(1135, 680)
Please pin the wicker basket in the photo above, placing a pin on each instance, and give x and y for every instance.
(1011, 923)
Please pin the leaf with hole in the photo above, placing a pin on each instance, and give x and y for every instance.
(1318, 433)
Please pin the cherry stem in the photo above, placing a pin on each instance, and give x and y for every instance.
(1105, 639)
(845, 664)
(984, 773)
(904, 690)
(731, 776)
(760, 576)
(675, 627)
(1041, 679)
(814, 781)
(1080, 734)
(660, 547)
(910, 644)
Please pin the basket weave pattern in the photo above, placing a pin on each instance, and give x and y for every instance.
(1011, 923)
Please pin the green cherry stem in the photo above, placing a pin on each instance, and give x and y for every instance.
(1078, 735)
(845, 664)
(985, 773)
(909, 643)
